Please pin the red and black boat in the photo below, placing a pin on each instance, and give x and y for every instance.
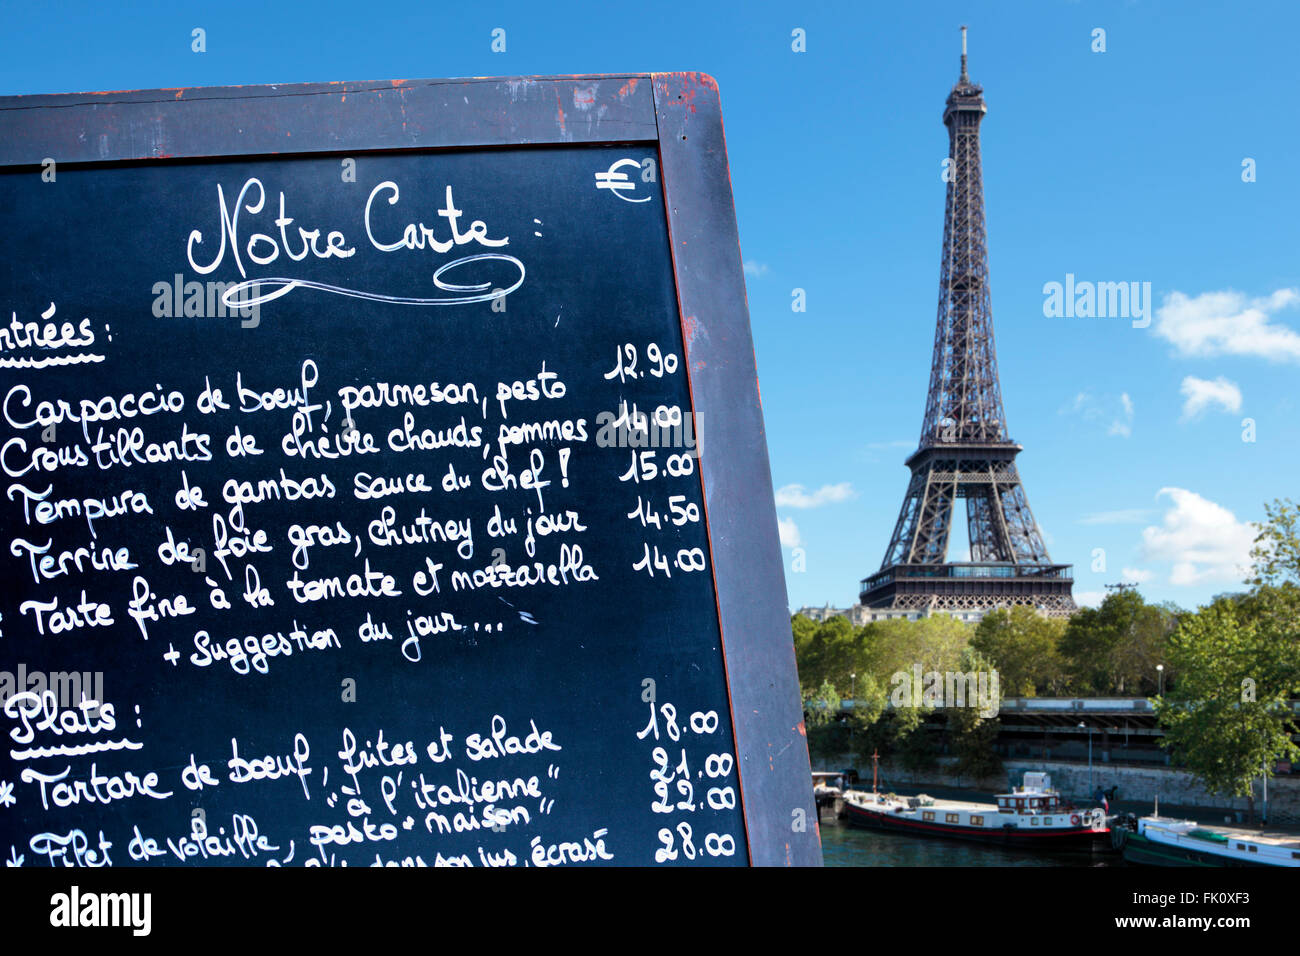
(1033, 815)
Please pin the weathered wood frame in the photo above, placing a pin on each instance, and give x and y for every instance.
(681, 114)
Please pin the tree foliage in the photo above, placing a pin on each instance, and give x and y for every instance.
(935, 643)
(836, 659)
(1276, 554)
(1115, 648)
(822, 706)
(1024, 646)
(971, 732)
(1228, 718)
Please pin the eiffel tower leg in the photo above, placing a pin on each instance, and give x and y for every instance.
(988, 537)
(1022, 530)
(900, 543)
(935, 520)
(921, 532)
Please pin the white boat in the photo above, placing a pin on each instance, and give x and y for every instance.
(1161, 841)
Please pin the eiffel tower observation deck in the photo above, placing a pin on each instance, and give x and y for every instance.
(965, 450)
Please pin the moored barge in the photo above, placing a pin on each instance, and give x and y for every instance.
(1033, 815)
(1160, 841)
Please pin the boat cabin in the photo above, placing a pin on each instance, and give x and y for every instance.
(1036, 796)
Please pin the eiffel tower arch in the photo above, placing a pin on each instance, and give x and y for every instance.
(965, 451)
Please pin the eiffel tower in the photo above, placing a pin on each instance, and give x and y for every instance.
(965, 451)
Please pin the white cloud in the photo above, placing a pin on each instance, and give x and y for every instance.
(796, 496)
(789, 533)
(1098, 409)
(1228, 323)
(1123, 425)
(1203, 541)
(1089, 598)
(1200, 394)
(1138, 575)
(755, 269)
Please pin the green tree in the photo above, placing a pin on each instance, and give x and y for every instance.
(822, 706)
(827, 654)
(864, 721)
(1024, 646)
(823, 722)
(1275, 575)
(912, 739)
(971, 731)
(935, 643)
(802, 630)
(1227, 719)
(972, 738)
(1276, 554)
(1114, 649)
(833, 657)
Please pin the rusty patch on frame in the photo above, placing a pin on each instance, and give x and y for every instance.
(691, 326)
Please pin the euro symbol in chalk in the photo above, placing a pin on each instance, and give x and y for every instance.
(619, 183)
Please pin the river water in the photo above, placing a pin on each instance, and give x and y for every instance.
(848, 846)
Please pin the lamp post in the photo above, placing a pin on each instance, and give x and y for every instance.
(853, 696)
(1263, 822)
(1160, 669)
(1084, 726)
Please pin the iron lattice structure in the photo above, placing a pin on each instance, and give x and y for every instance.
(965, 451)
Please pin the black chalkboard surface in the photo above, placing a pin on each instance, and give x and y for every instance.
(387, 502)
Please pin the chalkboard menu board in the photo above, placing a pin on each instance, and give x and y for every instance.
(385, 484)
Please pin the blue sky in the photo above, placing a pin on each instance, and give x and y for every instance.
(1122, 165)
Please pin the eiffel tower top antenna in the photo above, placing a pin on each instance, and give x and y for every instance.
(965, 78)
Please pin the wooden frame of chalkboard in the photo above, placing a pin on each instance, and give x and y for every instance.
(679, 115)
